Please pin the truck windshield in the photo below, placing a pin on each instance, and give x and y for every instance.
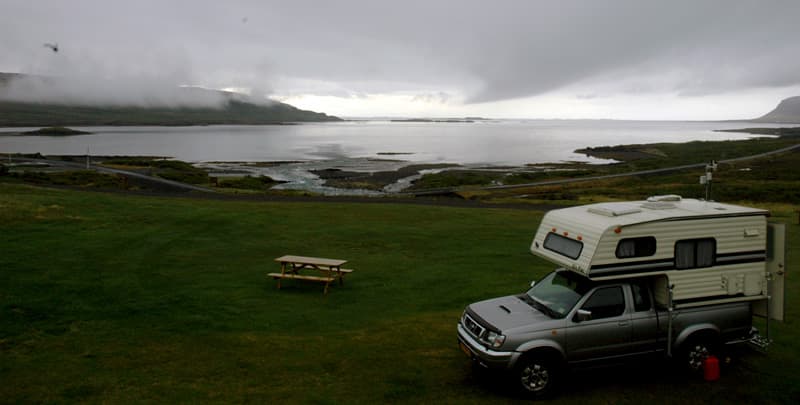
(559, 291)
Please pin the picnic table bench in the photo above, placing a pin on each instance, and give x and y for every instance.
(329, 270)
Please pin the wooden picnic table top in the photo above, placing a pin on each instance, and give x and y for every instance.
(316, 261)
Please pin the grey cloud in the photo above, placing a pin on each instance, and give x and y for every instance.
(487, 51)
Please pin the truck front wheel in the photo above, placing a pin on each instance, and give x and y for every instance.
(537, 376)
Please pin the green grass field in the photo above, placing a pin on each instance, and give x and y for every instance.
(114, 298)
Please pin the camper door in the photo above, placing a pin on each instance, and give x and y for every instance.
(776, 270)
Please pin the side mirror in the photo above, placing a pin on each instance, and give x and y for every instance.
(583, 315)
(533, 283)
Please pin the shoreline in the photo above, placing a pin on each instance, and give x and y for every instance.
(367, 176)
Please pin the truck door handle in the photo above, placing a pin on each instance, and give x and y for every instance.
(622, 323)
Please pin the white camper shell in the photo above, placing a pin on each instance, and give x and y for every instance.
(708, 251)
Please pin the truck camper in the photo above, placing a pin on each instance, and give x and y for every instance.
(707, 252)
(664, 276)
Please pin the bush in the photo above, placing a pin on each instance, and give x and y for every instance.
(83, 178)
(175, 170)
(196, 176)
(248, 183)
(455, 178)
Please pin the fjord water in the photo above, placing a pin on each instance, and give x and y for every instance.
(490, 142)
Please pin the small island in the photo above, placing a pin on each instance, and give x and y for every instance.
(445, 120)
(56, 131)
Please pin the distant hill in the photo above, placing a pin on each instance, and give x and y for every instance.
(787, 112)
(235, 109)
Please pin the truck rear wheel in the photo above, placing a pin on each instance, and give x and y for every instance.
(537, 376)
(696, 350)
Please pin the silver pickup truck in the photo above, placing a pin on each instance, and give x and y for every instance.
(567, 320)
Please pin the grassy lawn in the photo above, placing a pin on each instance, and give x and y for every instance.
(111, 298)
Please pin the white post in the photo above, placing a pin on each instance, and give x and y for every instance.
(707, 179)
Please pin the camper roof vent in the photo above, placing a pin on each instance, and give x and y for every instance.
(658, 205)
(614, 210)
(664, 198)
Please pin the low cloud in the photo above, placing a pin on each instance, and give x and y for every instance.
(88, 91)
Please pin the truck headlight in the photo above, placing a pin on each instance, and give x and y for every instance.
(495, 339)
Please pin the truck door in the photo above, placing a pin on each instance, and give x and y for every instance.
(776, 268)
(644, 320)
(607, 332)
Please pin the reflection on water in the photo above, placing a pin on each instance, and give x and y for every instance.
(503, 142)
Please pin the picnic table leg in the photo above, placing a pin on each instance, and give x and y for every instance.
(283, 271)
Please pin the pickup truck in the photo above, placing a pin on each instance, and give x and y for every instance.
(568, 320)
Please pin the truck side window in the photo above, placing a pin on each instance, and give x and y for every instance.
(606, 303)
(695, 253)
(641, 297)
(636, 247)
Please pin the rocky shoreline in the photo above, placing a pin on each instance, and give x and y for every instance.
(377, 181)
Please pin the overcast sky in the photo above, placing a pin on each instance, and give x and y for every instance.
(516, 59)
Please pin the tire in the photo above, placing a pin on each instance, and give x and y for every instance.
(537, 376)
(695, 351)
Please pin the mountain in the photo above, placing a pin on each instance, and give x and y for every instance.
(231, 109)
(787, 112)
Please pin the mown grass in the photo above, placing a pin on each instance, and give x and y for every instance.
(107, 298)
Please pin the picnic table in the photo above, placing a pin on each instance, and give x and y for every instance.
(329, 270)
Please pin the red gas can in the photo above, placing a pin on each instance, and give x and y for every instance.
(711, 368)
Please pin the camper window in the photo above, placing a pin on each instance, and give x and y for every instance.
(695, 253)
(636, 247)
(562, 245)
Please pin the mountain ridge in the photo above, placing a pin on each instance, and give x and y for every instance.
(787, 112)
(234, 109)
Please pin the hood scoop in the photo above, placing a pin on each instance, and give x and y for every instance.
(505, 308)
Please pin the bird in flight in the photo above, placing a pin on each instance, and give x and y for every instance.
(54, 47)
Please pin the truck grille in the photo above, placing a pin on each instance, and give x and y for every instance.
(473, 327)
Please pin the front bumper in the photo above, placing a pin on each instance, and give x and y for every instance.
(485, 357)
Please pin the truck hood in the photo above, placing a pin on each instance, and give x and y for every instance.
(505, 313)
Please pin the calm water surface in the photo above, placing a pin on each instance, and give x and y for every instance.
(369, 145)
(504, 142)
